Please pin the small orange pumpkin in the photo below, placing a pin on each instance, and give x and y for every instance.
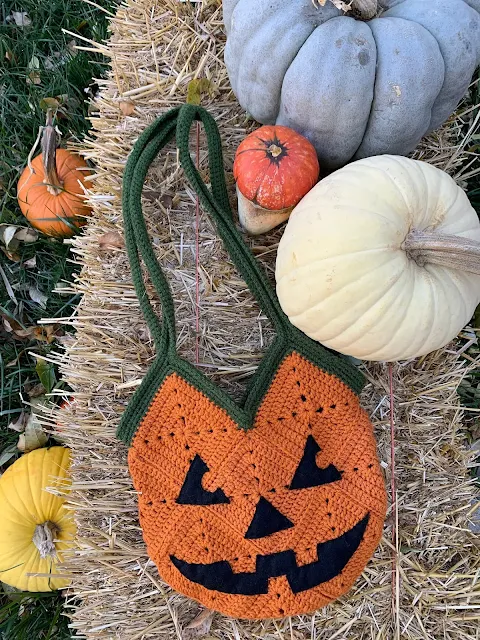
(274, 168)
(49, 192)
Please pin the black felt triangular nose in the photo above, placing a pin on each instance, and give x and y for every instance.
(267, 520)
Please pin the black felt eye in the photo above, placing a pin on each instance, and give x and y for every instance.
(192, 491)
(308, 474)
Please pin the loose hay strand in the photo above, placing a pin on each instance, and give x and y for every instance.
(155, 49)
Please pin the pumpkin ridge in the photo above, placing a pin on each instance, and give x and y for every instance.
(400, 318)
(369, 309)
(61, 162)
(13, 506)
(46, 507)
(398, 162)
(36, 499)
(341, 289)
(29, 500)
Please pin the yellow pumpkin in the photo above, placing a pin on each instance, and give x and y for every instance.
(35, 526)
(381, 260)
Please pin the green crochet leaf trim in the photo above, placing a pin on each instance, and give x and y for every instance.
(178, 121)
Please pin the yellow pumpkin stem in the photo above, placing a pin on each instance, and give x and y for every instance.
(445, 250)
(43, 538)
(49, 150)
(366, 8)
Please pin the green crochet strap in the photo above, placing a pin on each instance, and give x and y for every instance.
(215, 202)
(178, 122)
(137, 241)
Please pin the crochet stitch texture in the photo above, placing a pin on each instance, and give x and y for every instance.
(264, 509)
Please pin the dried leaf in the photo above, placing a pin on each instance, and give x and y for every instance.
(111, 240)
(126, 107)
(26, 234)
(47, 333)
(13, 594)
(20, 18)
(7, 325)
(11, 255)
(11, 235)
(8, 453)
(10, 324)
(46, 373)
(199, 626)
(44, 333)
(30, 263)
(37, 296)
(34, 78)
(196, 88)
(34, 75)
(35, 390)
(33, 437)
(29, 332)
(19, 424)
(7, 234)
(9, 56)
(49, 103)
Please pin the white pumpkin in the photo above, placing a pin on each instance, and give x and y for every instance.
(380, 260)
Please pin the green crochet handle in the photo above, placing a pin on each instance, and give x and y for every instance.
(178, 121)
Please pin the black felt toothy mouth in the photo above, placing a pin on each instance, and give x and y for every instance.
(333, 556)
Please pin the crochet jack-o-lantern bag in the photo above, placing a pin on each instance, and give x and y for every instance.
(259, 509)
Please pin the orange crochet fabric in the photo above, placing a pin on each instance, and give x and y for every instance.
(267, 522)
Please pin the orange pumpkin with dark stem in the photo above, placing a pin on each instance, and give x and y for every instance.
(50, 190)
(274, 168)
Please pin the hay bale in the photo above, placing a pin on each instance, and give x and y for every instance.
(431, 590)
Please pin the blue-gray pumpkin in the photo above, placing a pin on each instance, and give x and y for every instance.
(354, 88)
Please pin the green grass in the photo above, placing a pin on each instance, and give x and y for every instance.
(37, 61)
(61, 72)
(37, 616)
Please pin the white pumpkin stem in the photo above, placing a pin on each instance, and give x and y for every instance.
(367, 9)
(43, 538)
(445, 250)
(49, 154)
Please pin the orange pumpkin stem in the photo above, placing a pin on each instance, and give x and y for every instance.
(49, 154)
(274, 150)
